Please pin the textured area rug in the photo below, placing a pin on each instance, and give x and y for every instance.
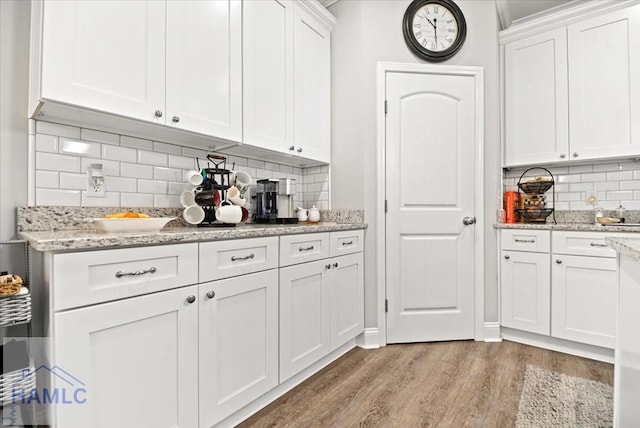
(552, 399)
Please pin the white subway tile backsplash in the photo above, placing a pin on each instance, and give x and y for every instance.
(143, 200)
(152, 186)
(136, 170)
(596, 176)
(120, 184)
(58, 198)
(99, 136)
(607, 185)
(182, 162)
(152, 158)
(167, 148)
(70, 180)
(580, 169)
(619, 194)
(629, 166)
(606, 167)
(54, 162)
(79, 148)
(618, 176)
(636, 175)
(580, 187)
(571, 196)
(118, 153)
(167, 174)
(57, 129)
(141, 172)
(630, 185)
(112, 199)
(108, 167)
(47, 179)
(46, 143)
(136, 143)
(631, 205)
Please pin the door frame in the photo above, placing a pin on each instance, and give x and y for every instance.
(478, 74)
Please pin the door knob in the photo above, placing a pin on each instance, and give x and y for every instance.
(211, 294)
(467, 221)
(191, 299)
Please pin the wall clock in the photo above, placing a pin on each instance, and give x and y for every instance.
(434, 29)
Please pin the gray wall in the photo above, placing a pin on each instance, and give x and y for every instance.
(368, 32)
(14, 78)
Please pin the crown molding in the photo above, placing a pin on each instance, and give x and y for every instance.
(315, 8)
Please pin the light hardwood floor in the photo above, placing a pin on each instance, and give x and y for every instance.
(445, 384)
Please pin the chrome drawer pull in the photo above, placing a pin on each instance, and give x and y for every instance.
(348, 243)
(120, 274)
(595, 244)
(234, 258)
(305, 249)
(527, 241)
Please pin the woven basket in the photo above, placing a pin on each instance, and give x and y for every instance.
(15, 309)
(15, 384)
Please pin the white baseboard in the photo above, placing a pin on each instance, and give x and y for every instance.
(566, 346)
(369, 339)
(492, 332)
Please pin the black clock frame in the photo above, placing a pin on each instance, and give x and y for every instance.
(421, 51)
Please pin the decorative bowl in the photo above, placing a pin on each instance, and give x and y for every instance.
(119, 225)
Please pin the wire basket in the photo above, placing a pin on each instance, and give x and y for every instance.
(535, 188)
(15, 309)
(535, 215)
(16, 384)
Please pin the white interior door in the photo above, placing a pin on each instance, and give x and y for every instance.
(431, 145)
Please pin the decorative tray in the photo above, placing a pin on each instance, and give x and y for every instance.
(116, 225)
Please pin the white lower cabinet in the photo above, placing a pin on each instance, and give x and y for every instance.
(526, 291)
(136, 358)
(584, 299)
(238, 338)
(321, 308)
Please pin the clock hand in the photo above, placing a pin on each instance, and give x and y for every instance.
(435, 29)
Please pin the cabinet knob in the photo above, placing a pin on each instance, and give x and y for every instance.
(327, 266)
(299, 150)
(507, 257)
(559, 261)
(191, 299)
(335, 265)
(175, 119)
(292, 148)
(158, 113)
(575, 155)
(211, 294)
(562, 156)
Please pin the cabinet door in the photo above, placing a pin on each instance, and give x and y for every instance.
(104, 55)
(347, 298)
(137, 359)
(268, 74)
(536, 99)
(526, 289)
(204, 67)
(238, 343)
(304, 316)
(312, 87)
(604, 85)
(584, 299)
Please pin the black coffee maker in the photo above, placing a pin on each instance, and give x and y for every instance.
(271, 195)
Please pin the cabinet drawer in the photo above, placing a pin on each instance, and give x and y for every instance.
(224, 259)
(303, 248)
(585, 243)
(538, 241)
(99, 276)
(346, 242)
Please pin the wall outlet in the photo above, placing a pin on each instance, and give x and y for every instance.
(95, 181)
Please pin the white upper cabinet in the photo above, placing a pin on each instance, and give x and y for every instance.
(268, 74)
(536, 98)
(604, 87)
(204, 67)
(104, 55)
(572, 89)
(312, 68)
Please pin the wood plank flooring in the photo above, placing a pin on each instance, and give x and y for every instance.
(444, 384)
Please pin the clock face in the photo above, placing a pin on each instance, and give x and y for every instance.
(434, 29)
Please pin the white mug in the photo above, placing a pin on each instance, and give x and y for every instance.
(229, 214)
(241, 180)
(303, 214)
(194, 177)
(236, 197)
(193, 214)
(188, 198)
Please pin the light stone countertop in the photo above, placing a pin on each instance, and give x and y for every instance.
(585, 227)
(627, 246)
(69, 240)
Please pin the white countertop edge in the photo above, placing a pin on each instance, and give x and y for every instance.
(70, 240)
(585, 227)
